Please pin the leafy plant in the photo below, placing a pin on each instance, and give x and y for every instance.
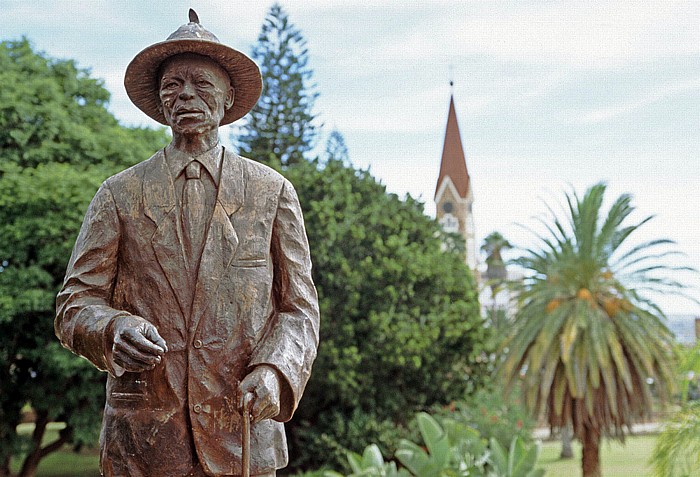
(451, 449)
(518, 462)
(370, 464)
(429, 461)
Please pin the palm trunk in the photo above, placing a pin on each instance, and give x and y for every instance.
(566, 451)
(591, 452)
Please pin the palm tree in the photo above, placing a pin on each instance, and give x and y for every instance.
(586, 344)
(496, 278)
(493, 244)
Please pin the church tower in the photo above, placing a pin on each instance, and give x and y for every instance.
(453, 192)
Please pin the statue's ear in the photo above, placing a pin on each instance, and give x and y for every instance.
(229, 97)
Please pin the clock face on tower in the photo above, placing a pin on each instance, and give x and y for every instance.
(447, 207)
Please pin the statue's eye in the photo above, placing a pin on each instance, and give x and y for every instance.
(169, 85)
(203, 83)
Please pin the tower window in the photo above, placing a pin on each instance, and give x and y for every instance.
(449, 223)
(447, 207)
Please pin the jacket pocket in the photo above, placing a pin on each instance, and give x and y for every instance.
(129, 390)
(249, 262)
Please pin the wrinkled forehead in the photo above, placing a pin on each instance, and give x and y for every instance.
(188, 63)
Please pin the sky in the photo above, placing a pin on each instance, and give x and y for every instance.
(549, 95)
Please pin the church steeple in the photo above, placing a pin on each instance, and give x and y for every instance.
(453, 191)
(454, 163)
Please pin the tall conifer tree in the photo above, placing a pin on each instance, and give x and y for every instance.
(336, 150)
(281, 128)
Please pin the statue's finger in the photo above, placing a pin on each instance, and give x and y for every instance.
(153, 335)
(264, 407)
(137, 354)
(247, 400)
(130, 364)
(137, 339)
(268, 412)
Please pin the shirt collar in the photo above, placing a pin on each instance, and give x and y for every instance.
(177, 160)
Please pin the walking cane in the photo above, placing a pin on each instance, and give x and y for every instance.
(245, 449)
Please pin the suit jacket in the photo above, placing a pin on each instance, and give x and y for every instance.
(253, 303)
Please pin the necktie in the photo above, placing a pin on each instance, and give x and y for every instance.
(193, 217)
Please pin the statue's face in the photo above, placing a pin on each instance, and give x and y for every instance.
(195, 92)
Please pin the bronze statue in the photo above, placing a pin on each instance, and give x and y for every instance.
(190, 281)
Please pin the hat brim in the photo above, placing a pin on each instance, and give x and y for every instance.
(141, 78)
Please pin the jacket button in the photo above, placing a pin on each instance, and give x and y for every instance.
(197, 344)
(197, 408)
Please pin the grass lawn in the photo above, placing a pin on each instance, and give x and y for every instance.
(617, 460)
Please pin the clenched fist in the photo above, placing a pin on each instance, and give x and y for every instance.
(261, 390)
(137, 345)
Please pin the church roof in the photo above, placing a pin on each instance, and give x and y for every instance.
(453, 164)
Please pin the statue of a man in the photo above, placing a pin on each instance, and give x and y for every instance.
(190, 281)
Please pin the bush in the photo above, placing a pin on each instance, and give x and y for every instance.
(341, 433)
(400, 323)
(495, 415)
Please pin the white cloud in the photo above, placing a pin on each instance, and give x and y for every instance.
(661, 93)
(582, 34)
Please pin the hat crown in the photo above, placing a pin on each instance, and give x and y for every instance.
(193, 31)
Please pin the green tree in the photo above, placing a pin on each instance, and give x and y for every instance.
(586, 343)
(400, 329)
(57, 143)
(281, 129)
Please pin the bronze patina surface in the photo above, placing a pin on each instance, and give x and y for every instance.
(190, 281)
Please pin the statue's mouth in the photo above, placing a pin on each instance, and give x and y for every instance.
(186, 113)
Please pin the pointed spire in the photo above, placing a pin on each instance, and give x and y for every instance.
(453, 164)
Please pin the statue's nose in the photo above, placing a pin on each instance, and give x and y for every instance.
(187, 92)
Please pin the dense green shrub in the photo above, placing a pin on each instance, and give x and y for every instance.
(400, 323)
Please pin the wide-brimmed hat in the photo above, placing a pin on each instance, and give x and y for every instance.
(141, 78)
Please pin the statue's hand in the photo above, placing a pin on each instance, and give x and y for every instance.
(261, 388)
(137, 345)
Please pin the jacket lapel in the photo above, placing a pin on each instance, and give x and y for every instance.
(159, 205)
(221, 241)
